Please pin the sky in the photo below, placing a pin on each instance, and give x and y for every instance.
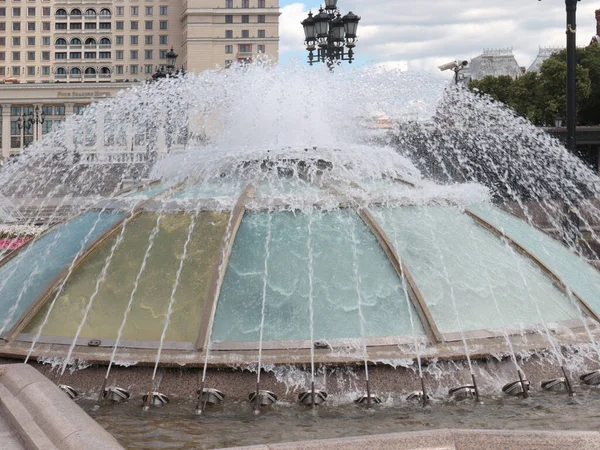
(422, 34)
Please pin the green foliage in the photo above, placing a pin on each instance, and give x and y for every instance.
(540, 97)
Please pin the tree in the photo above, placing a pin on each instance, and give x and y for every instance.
(540, 97)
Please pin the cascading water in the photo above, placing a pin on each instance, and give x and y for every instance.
(312, 152)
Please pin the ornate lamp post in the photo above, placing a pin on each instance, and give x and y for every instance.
(33, 119)
(330, 34)
(170, 67)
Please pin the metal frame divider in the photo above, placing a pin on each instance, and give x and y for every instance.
(218, 275)
(415, 294)
(522, 250)
(41, 300)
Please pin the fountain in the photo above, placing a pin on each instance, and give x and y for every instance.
(286, 250)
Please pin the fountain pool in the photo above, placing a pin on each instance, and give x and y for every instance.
(280, 254)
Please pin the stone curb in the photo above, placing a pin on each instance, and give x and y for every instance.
(44, 417)
(446, 439)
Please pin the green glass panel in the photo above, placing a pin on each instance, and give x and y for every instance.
(147, 317)
(582, 278)
(24, 278)
(456, 261)
(333, 238)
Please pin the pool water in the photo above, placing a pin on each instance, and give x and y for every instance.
(235, 424)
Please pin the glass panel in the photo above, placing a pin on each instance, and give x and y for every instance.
(150, 192)
(28, 274)
(335, 299)
(226, 187)
(581, 277)
(146, 319)
(453, 258)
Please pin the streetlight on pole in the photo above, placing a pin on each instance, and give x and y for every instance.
(571, 6)
(330, 34)
(170, 67)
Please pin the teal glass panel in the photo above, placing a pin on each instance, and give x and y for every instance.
(150, 192)
(333, 237)
(23, 278)
(455, 261)
(582, 278)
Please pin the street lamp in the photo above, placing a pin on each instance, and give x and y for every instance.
(558, 121)
(33, 119)
(170, 67)
(571, 6)
(330, 34)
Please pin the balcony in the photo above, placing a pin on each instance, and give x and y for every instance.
(105, 46)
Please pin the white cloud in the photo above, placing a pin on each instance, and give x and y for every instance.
(424, 34)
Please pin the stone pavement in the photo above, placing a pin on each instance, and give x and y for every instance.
(452, 440)
(8, 439)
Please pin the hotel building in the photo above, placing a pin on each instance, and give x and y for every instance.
(60, 55)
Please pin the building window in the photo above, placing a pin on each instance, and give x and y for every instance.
(228, 63)
(89, 55)
(245, 34)
(261, 33)
(245, 3)
(119, 54)
(228, 3)
(245, 48)
(229, 34)
(16, 26)
(148, 24)
(135, 10)
(164, 10)
(134, 25)
(245, 19)
(133, 54)
(30, 41)
(46, 11)
(148, 68)
(75, 26)
(47, 126)
(2, 41)
(119, 69)
(2, 26)
(105, 26)
(119, 40)
(120, 10)
(16, 41)
(262, 19)
(30, 56)
(90, 25)
(30, 26)
(133, 40)
(104, 55)
(45, 70)
(59, 110)
(149, 10)
(148, 54)
(75, 55)
(45, 56)
(2, 56)
(31, 12)
(31, 71)
(133, 69)
(229, 49)
(16, 71)
(60, 26)
(45, 26)
(228, 19)
(120, 25)
(16, 56)
(16, 12)
(261, 3)
(2, 12)
(261, 49)
(60, 55)
(46, 40)
(163, 25)
(148, 40)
